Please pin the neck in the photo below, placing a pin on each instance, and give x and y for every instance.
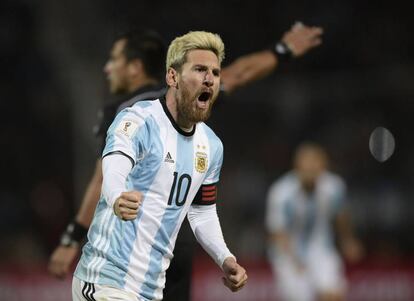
(171, 101)
(139, 83)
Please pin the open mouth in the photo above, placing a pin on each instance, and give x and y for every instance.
(204, 96)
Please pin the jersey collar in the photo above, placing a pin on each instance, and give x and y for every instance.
(174, 124)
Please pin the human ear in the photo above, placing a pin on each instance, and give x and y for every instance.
(172, 77)
(135, 67)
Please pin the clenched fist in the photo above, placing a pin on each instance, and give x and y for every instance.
(127, 204)
(61, 260)
(235, 275)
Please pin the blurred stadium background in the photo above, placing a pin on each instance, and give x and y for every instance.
(52, 85)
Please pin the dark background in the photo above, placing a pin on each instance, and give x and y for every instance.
(52, 54)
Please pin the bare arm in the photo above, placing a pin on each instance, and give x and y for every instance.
(64, 254)
(247, 69)
(91, 197)
(282, 242)
(350, 246)
(284, 246)
(299, 39)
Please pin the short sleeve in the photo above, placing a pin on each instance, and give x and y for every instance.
(128, 134)
(276, 219)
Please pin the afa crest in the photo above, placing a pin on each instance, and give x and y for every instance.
(201, 162)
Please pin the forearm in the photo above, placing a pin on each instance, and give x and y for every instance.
(297, 41)
(247, 69)
(206, 227)
(283, 245)
(349, 244)
(91, 197)
(115, 169)
(344, 227)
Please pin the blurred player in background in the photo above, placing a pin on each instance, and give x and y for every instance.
(133, 69)
(305, 210)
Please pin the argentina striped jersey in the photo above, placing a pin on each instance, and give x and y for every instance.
(169, 167)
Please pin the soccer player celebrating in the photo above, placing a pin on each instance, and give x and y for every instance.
(133, 69)
(305, 207)
(160, 162)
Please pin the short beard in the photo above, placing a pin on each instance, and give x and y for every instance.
(187, 113)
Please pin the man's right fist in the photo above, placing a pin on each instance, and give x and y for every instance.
(127, 204)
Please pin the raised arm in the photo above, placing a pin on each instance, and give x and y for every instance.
(251, 67)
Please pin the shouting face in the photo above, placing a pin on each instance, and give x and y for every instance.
(197, 86)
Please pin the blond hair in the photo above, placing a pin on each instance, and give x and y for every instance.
(180, 46)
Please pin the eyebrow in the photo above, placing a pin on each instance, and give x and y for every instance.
(200, 65)
(206, 67)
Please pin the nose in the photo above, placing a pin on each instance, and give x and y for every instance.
(208, 79)
(106, 68)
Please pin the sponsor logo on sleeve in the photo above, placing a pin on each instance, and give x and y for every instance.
(127, 128)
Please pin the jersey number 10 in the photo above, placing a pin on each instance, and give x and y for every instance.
(176, 189)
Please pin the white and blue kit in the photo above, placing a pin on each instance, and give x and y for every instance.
(307, 219)
(176, 173)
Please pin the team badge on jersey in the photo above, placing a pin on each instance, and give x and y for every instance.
(127, 128)
(201, 162)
